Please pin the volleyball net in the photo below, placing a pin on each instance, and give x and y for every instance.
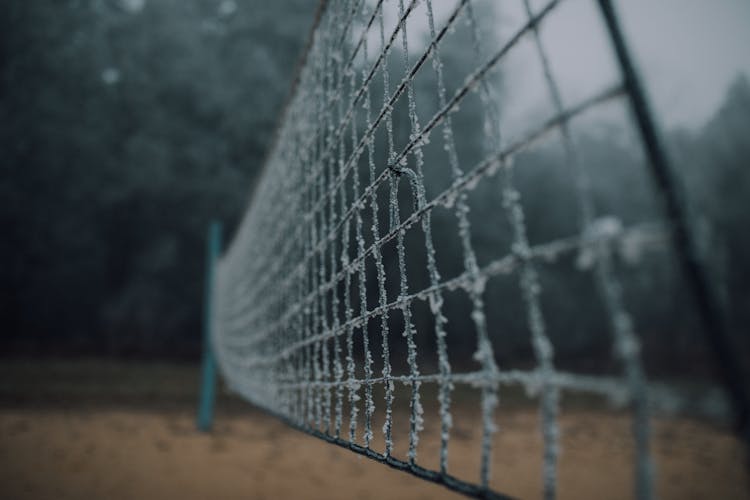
(388, 253)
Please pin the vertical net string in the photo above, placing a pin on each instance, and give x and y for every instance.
(627, 345)
(529, 281)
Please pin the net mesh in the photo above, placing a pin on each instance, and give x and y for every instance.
(332, 290)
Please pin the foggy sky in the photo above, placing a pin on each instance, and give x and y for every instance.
(688, 51)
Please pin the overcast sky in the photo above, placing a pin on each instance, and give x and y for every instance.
(688, 51)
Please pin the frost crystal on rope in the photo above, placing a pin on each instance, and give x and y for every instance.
(331, 294)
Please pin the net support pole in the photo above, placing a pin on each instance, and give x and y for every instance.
(208, 376)
(718, 336)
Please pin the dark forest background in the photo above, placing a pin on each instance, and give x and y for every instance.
(125, 130)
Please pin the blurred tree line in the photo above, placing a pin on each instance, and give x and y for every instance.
(125, 126)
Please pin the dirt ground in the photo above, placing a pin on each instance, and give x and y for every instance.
(113, 431)
(123, 454)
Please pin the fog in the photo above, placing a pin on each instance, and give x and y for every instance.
(128, 125)
(427, 244)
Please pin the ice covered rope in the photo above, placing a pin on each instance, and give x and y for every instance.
(315, 289)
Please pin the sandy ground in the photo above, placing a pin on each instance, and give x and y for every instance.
(122, 454)
(103, 429)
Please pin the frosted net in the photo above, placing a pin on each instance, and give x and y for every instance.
(317, 287)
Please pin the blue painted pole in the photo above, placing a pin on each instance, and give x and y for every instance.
(208, 377)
